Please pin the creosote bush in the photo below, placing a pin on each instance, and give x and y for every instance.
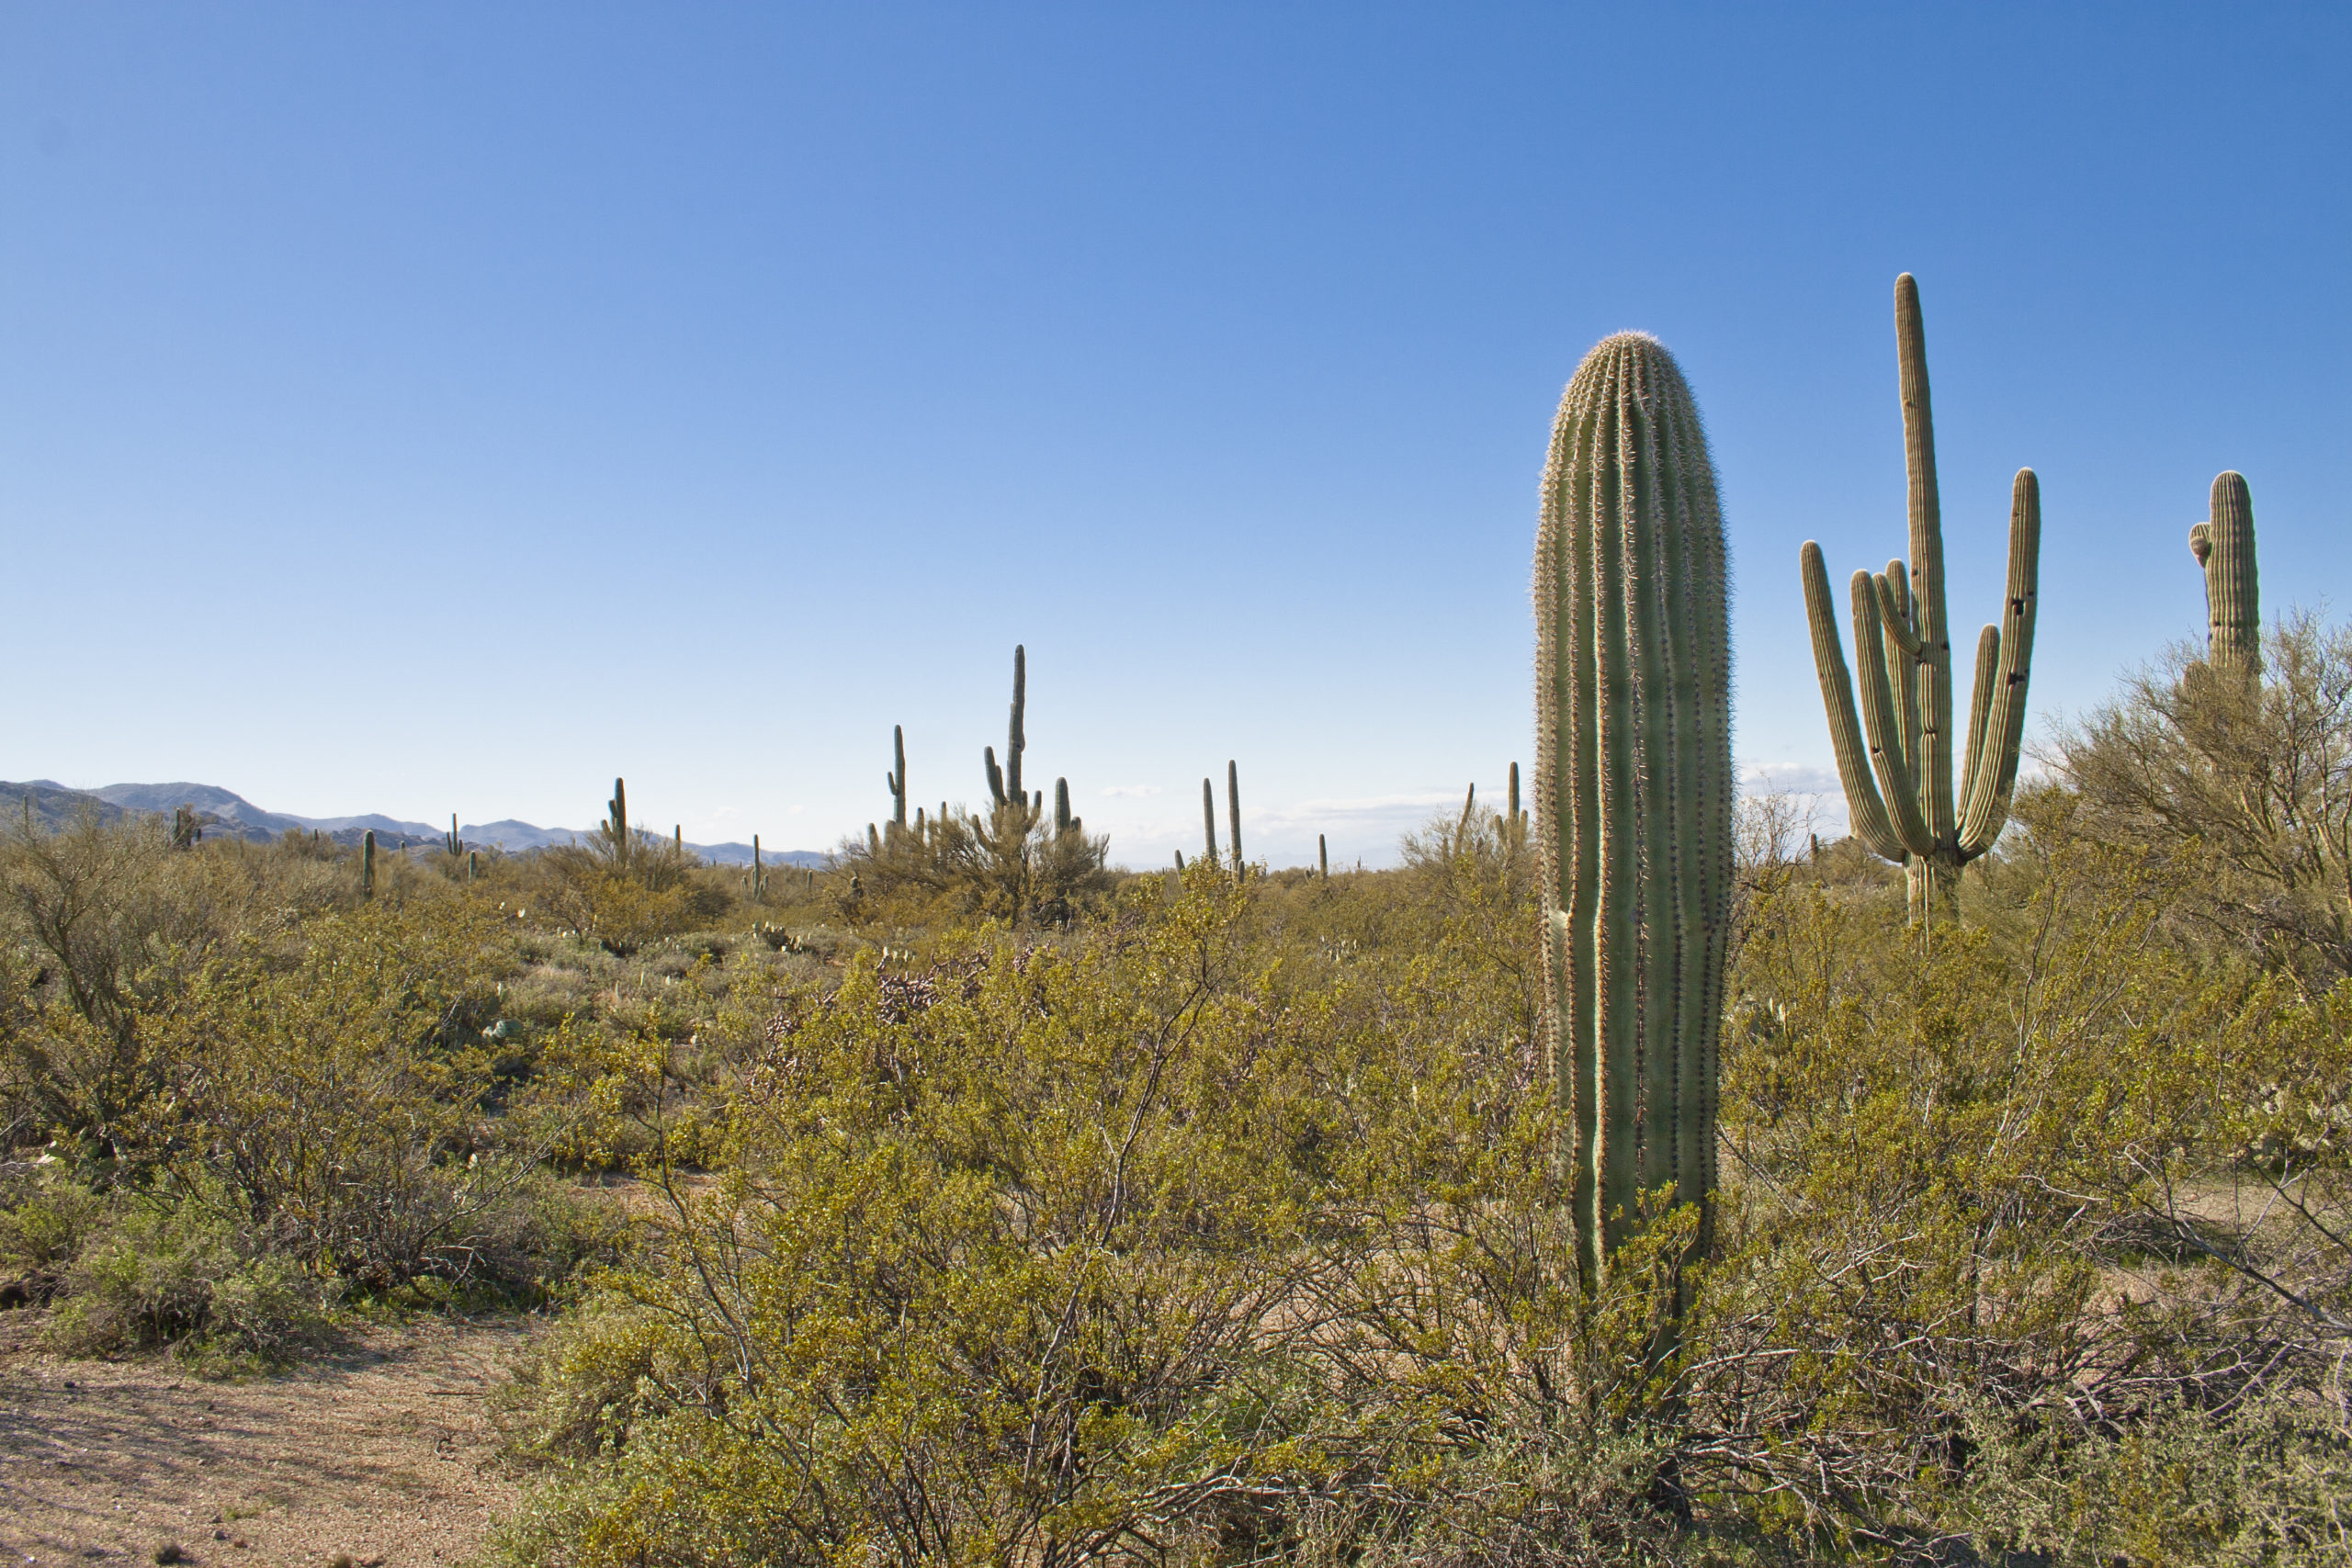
(1229, 1228)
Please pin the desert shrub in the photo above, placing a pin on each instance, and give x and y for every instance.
(178, 1268)
(420, 1169)
(2246, 783)
(1011, 864)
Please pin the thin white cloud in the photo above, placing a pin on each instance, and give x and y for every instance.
(1131, 789)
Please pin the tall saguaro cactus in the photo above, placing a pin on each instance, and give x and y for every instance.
(1004, 785)
(1233, 812)
(617, 822)
(2223, 545)
(1208, 821)
(368, 863)
(1634, 784)
(1899, 788)
(898, 780)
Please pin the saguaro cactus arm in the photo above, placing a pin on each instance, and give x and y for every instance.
(1882, 719)
(1868, 812)
(1993, 773)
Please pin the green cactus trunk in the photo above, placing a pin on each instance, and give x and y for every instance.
(1064, 823)
(1322, 858)
(1634, 785)
(473, 863)
(1233, 813)
(2223, 545)
(1208, 821)
(368, 863)
(897, 778)
(456, 845)
(1900, 792)
(617, 823)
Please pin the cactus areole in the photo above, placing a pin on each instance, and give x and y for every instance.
(1900, 792)
(1632, 800)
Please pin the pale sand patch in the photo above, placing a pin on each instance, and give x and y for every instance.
(380, 1451)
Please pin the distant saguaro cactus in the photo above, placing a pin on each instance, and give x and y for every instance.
(2223, 545)
(457, 846)
(897, 778)
(615, 830)
(473, 863)
(1322, 857)
(368, 863)
(1911, 815)
(187, 832)
(1514, 793)
(1063, 821)
(1634, 785)
(1208, 821)
(1004, 785)
(1233, 813)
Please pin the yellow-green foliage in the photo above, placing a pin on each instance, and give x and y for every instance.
(1230, 1228)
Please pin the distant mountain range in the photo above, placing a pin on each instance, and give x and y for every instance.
(222, 811)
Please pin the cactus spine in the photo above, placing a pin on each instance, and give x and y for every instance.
(1633, 785)
(898, 780)
(368, 863)
(1911, 814)
(2223, 545)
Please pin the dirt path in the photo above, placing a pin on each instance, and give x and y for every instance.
(380, 1454)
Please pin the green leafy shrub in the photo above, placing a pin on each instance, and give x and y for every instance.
(179, 1269)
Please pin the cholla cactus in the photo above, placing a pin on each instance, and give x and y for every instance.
(2223, 546)
(1633, 785)
(1910, 814)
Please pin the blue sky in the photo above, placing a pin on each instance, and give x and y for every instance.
(421, 408)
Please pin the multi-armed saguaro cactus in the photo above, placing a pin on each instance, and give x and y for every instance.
(1004, 785)
(368, 863)
(456, 845)
(1633, 785)
(2223, 545)
(898, 779)
(615, 828)
(1910, 815)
